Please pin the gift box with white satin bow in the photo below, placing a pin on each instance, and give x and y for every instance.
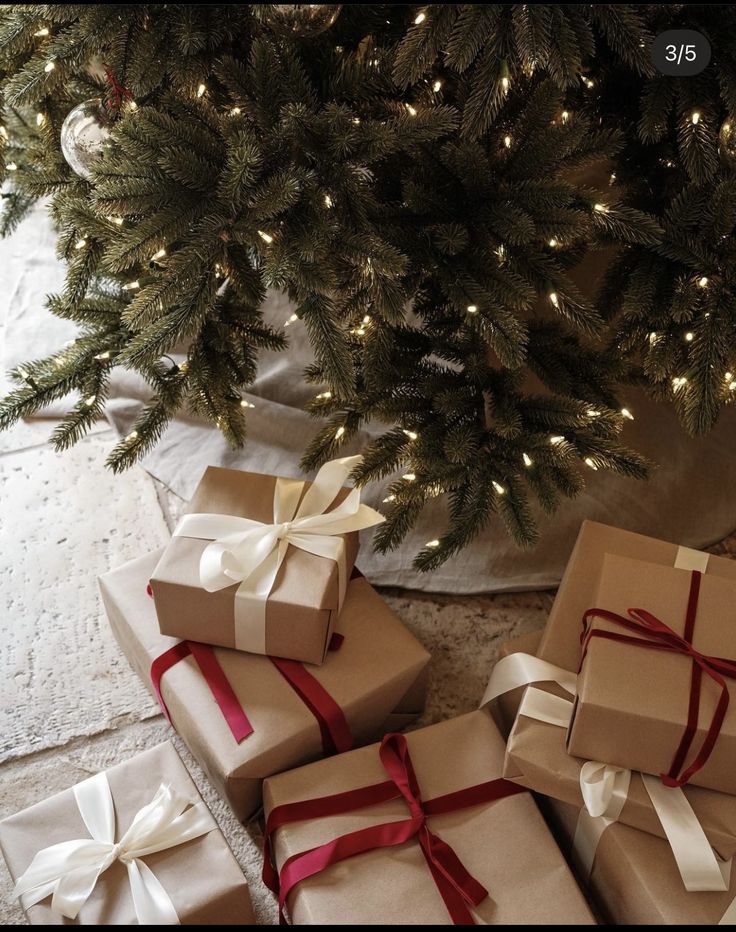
(134, 844)
(262, 563)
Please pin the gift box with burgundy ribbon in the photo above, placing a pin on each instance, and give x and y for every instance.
(245, 716)
(420, 828)
(134, 844)
(261, 563)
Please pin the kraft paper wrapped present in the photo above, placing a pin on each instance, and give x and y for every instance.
(536, 758)
(173, 866)
(659, 660)
(261, 563)
(488, 838)
(375, 682)
(561, 639)
(505, 706)
(634, 880)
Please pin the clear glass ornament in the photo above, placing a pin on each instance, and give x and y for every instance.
(85, 134)
(302, 19)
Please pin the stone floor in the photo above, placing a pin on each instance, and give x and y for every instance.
(70, 704)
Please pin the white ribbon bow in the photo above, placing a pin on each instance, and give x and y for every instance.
(69, 870)
(249, 552)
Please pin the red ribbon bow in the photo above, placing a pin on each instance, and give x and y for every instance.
(656, 635)
(458, 888)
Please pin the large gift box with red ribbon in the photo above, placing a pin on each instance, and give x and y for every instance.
(632, 879)
(262, 563)
(131, 845)
(659, 661)
(420, 828)
(244, 716)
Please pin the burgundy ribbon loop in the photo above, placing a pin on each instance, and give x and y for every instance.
(457, 887)
(654, 634)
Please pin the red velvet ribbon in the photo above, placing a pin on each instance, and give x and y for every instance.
(656, 635)
(458, 889)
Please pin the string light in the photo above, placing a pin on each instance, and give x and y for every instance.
(556, 440)
(627, 414)
(703, 282)
(49, 67)
(90, 401)
(505, 83)
(498, 487)
(100, 357)
(412, 110)
(695, 117)
(565, 116)
(612, 178)
(554, 299)
(591, 412)
(158, 255)
(11, 167)
(528, 461)
(501, 252)
(732, 387)
(600, 208)
(291, 320)
(689, 336)
(132, 286)
(339, 432)
(266, 237)
(324, 395)
(437, 86)
(356, 120)
(472, 309)
(133, 435)
(590, 462)
(22, 372)
(80, 243)
(118, 221)
(40, 119)
(432, 543)
(3, 132)
(246, 404)
(679, 381)
(328, 200)
(588, 83)
(389, 498)
(507, 141)
(419, 19)
(653, 337)
(412, 435)
(366, 320)
(409, 477)
(235, 111)
(201, 90)
(728, 376)
(554, 242)
(132, 105)
(43, 31)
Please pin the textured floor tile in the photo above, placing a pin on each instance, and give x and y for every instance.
(64, 519)
(24, 782)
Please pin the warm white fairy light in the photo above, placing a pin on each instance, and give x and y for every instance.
(554, 242)
(600, 208)
(43, 31)
(653, 337)
(612, 177)
(159, 255)
(266, 237)
(507, 141)
(703, 282)
(328, 200)
(627, 414)
(528, 461)
(409, 477)
(498, 487)
(118, 221)
(591, 412)
(132, 105)
(556, 440)
(472, 309)
(22, 372)
(437, 86)
(101, 357)
(356, 120)
(291, 320)
(366, 320)
(339, 432)
(432, 543)
(80, 243)
(501, 252)
(40, 119)
(732, 387)
(411, 434)
(728, 376)
(689, 336)
(133, 435)
(679, 381)
(505, 83)
(389, 498)
(11, 167)
(201, 90)
(590, 462)
(554, 299)
(412, 110)
(236, 111)
(244, 403)
(565, 116)
(419, 19)
(3, 133)
(695, 117)
(589, 83)
(49, 67)
(324, 396)
(90, 401)
(132, 286)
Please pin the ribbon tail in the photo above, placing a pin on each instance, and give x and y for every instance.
(327, 484)
(458, 888)
(588, 832)
(152, 904)
(523, 670)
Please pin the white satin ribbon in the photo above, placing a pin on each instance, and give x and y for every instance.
(68, 871)
(689, 559)
(249, 552)
(605, 788)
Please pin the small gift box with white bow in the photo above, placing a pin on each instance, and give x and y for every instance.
(262, 563)
(132, 844)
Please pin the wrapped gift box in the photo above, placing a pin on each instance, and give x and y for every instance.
(505, 706)
(634, 879)
(200, 876)
(377, 678)
(302, 607)
(634, 696)
(561, 639)
(504, 844)
(536, 758)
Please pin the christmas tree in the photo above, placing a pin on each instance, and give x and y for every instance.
(423, 183)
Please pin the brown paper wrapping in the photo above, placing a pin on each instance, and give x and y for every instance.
(561, 639)
(635, 880)
(536, 758)
(303, 605)
(505, 845)
(201, 876)
(632, 703)
(378, 677)
(505, 707)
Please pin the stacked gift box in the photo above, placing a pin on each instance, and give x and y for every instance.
(290, 681)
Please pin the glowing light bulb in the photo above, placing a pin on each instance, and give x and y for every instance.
(695, 117)
(437, 86)
(505, 83)
(432, 543)
(528, 461)
(627, 414)
(133, 435)
(159, 255)
(366, 320)
(266, 237)
(507, 141)
(703, 282)
(554, 299)
(732, 387)
(291, 320)
(90, 401)
(201, 90)
(590, 462)
(653, 337)
(132, 286)
(40, 119)
(80, 243)
(556, 440)
(591, 412)
(43, 31)
(103, 356)
(419, 19)
(49, 67)
(412, 110)
(612, 178)
(246, 404)
(565, 116)
(328, 200)
(409, 477)
(118, 221)
(472, 309)
(339, 432)
(498, 487)
(132, 105)
(236, 111)
(412, 435)
(689, 336)
(600, 208)
(390, 498)
(324, 395)
(554, 242)
(11, 167)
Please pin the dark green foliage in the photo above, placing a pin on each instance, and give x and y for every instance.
(422, 191)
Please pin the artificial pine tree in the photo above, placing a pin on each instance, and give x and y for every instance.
(415, 179)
